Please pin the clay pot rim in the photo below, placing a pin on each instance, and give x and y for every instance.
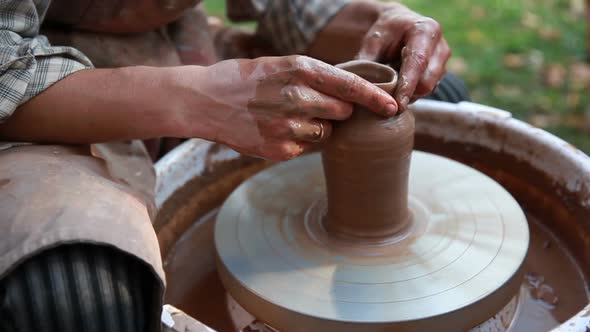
(387, 79)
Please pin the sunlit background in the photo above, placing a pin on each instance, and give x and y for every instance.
(525, 56)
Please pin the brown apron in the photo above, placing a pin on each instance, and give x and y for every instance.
(103, 194)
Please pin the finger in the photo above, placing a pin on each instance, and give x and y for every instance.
(415, 58)
(314, 104)
(301, 101)
(434, 72)
(349, 87)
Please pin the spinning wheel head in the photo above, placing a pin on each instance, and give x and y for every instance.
(455, 265)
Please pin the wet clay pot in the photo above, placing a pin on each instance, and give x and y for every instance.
(549, 178)
(361, 204)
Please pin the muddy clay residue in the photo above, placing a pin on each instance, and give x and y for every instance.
(553, 288)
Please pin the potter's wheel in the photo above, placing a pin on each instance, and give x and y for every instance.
(456, 265)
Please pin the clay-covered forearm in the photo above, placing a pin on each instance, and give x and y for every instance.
(341, 38)
(97, 105)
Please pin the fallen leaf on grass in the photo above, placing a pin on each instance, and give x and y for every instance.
(580, 75)
(554, 75)
(457, 65)
(529, 20)
(572, 100)
(577, 7)
(549, 33)
(513, 61)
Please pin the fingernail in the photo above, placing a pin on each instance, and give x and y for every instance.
(390, 109)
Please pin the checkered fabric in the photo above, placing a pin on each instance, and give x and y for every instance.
(291, 25)
(28, 63)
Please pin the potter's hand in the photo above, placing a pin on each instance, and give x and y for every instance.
(418, 39)
(276, 107)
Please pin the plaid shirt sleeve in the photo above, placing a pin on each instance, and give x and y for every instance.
(291, 25)
(28, 63)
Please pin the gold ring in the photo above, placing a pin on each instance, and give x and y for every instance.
(320, 135)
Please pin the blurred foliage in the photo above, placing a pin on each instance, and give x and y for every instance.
(527, 56)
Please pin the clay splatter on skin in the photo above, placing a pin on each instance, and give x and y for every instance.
(281, 105)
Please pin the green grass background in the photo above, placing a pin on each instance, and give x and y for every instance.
(507, 51)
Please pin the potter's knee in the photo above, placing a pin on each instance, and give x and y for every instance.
(65, 182)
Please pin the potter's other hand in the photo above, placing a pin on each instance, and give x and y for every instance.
(277, 107)
(401, 35)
